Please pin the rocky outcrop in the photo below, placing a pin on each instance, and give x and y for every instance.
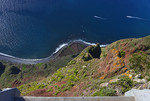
(92, 52)
(112, 65)
(95, 71)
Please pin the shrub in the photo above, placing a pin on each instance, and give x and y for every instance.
(87, 57)
(65, 89)
(72, 62)
(72, 78)
(59, 75)
(139, 62)
(105, 92)
(126, 83)
(39, 64)
(104, 55)
(122, 54)
(50, 90)
(76, 71)
(24, 67)
(41, 86)
(56, 93)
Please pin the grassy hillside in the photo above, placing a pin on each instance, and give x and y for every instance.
(14, 75)
(96, 71)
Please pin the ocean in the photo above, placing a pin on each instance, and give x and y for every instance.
(34, 29)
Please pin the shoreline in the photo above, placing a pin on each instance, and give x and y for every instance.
(13, 59)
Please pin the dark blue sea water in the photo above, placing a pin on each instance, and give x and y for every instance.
(35, 28)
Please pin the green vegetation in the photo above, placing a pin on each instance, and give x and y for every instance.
(15, 73)
(104, 53)
(82, 74)
(87, 57)
(126, 83)
(70, 75)
(122, 54)
(39, 65)
(50, 90)
(105, 92)
(146, 41)
(93, 72)
(139, 62)
(72, 62)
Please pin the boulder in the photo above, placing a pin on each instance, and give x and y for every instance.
(104, 84)
(92, 52)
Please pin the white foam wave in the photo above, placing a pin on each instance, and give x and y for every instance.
(92, 43)
(60, 47)
(6, 55)
(104, 45)
(134, 17)
(98, 17)
(65, 44)
(88, 43)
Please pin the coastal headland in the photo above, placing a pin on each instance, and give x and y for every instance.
(81, 69)
(71, 48)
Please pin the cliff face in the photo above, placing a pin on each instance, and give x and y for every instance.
(96, 71)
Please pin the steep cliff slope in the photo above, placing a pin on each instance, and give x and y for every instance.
(14, 74)
(96, 71)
